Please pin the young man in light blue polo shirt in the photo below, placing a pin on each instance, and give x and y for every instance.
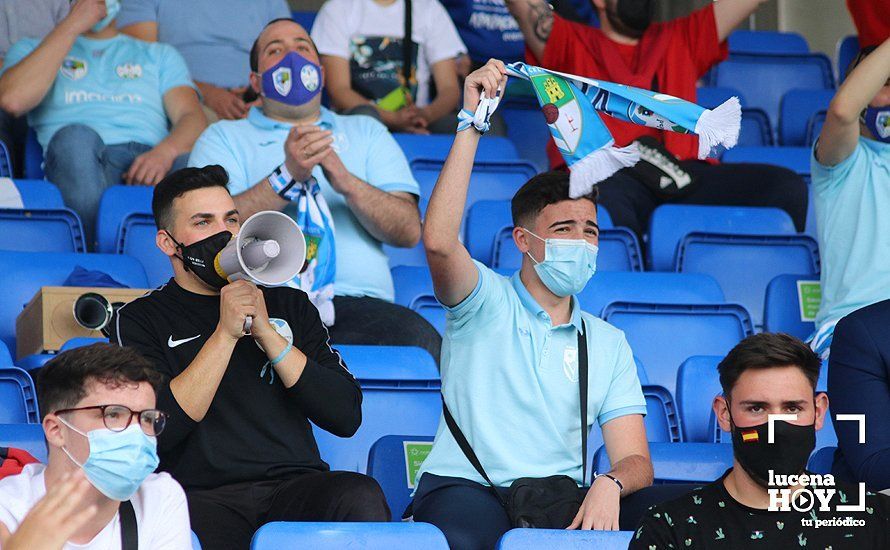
(101, 104)
(292, 142)
(510, 356)
(851, 172)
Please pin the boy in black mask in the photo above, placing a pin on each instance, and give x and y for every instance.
(766, 375)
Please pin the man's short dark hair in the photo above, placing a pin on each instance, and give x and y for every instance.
(255, 49)
(764, 351)
(181, 182)
(542, 190)
(62, 382)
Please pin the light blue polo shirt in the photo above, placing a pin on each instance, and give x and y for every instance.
(852, 201)
(115, 86)
(252, 148)
(510, 380)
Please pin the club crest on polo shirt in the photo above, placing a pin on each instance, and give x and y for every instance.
(570, 363)
(74, 68)
(129, 71)
(309, 77)
(281, 78)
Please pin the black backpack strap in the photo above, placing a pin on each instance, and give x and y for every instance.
(129, 530)
(407, 46)
(582, 383)
(467, 450)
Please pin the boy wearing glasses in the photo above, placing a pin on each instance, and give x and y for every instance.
(101, 424)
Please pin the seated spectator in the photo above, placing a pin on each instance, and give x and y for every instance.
(859, 383)
(101, 103)
(631, 49)
(214, 37)
(97, 489)
(292, 141)
(851, 161)
(23, 19)
(239, 437)
(362, 49)
(510, 362)
(764, 375)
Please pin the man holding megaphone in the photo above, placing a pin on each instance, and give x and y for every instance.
(238, 437)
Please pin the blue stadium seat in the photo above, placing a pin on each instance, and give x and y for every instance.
(710, 97)
(767, 42)
(680, 462)
(22, 274)
(411, 282)
(766, 77)
(5, 162)
(304, 18)
(430, 309)
(560, 539)
(629, 286)
(118, 202)
(136, 238)
(28, 437)
(847, 50)
(619, 250)
(485, 219)
(337, 536)
(526, 128)
(745, 264)
(437, 146)
(669, 223)
(796, 159)
(491, 180)
(814, 128)
(401, 390)
(75, 343)
(665, 335)
(414, 256)
(41, 230)
(782, 309)
(388, 463)
(756, 131)
(18, 398)
(796, 110)
(33, 168)
(697, 384)
(661, 421)
(822, 460)
(39, 194)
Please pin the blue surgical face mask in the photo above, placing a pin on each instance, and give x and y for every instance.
(294, 80)
(119, 461)
(877, 120)
(112, 7)
(567, 266)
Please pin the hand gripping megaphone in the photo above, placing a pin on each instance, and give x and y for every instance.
(269, 250)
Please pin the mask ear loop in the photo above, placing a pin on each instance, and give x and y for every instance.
(529, 251)
(179, 246)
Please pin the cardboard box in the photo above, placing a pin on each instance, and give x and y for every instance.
(47, 321)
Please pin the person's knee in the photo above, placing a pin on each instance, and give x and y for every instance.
(73, 143)
(361, 497)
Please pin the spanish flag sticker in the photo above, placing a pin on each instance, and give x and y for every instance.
(750, 436)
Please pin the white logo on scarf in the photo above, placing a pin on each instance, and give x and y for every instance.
(129, 71)
(282, 80)
(74, 68)
(309, 77)
(570, 363)
(282, 328)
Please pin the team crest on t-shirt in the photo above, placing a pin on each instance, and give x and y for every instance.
(129, 71)
(74, 68)
(281, 78)
(570, 363)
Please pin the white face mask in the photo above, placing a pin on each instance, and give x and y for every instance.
(567, 266)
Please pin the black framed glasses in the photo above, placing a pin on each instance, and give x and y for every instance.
(118, 418)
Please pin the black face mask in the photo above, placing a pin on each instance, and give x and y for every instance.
(200, 257)
(787, 455)
(631, 17)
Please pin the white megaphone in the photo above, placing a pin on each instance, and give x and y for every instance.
(269, 250)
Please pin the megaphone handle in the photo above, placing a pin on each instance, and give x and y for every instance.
(248, 324)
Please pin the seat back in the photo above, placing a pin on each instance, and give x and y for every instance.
(796, 159)
(680, 462)
(847, 50)
(118, 202)
(411, 282)
(745, 264)
(5, 162)
(791, 304)
(697, 384)
(401, 393)
(18, 397)
(662, 422)
(41, 230)
(814, 128)
(629, 286)
(557, 539)
(526, 128)
(796, 110)
(711, 97)
(490, 180)
(619, 250)
(670, 223)
(757, 130)
(776, 42)
(136, 238)
(28, 437)
(337, 536)
(22, 274)
(766, 77)
(394, 461)
(33, 156)
(34, 194)
(665, 335)
(437, 147)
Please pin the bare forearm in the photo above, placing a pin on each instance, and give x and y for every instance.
(258, 198)
(634, 472)
(186, 131)
(730, 13)
(388, 218)
(535, 18)
(196, 386)
(442, 227)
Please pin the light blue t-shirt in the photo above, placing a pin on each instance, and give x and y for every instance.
(214, 36)
(852, 201)
(252, 148)
(115, 86)
(510, 380)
